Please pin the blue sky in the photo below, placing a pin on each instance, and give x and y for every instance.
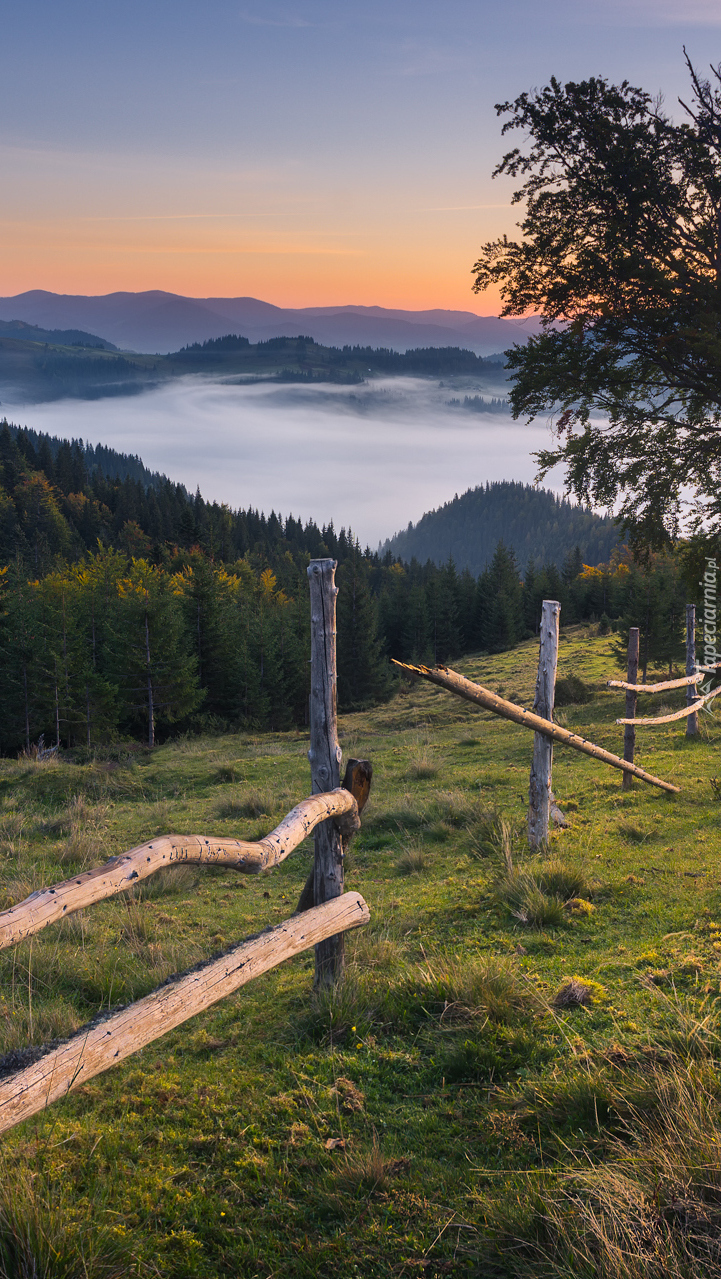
(305, 153)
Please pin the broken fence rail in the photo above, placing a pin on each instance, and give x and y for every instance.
(462, 687)
(682, 714)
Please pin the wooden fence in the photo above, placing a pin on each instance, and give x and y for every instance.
(694, 700)
(325, 911)
(540, 720)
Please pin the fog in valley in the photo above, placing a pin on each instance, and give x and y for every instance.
(369, 457)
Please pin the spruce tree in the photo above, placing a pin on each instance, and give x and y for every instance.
(501, 602)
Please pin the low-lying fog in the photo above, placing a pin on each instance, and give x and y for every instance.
(370, 457)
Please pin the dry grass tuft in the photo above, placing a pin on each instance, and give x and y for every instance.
(422, 764)
(227, 773)
(166, 882)
(38, 1240)
(11, 829)
(573, 993)
(412, 861)
(634, 834)
(653, 1210)
(350, 1098)
(369, 1172)
(538, 892)
(256, 802)
(489, 989)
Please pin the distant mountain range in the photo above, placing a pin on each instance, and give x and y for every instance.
(158, 322)
(534, 523)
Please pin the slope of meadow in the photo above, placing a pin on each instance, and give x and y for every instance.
(446, 1112)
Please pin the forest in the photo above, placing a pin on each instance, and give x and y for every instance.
(88, 369)
(533, 522)
(131, 609)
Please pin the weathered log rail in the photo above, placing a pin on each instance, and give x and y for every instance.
(116, 1036)
(656, 688)
(465, 688)
(48, 905)
(685, 711)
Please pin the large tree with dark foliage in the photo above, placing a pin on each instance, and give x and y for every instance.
(621, 255)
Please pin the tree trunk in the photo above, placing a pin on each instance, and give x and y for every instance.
(691, 691)
(27, 707)
(57, 709)
(151, 708)
(542, 767)
(629, 732)
(325, 756)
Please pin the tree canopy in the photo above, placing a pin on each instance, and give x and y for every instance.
(621, 255)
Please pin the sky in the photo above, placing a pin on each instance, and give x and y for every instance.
(314, 152)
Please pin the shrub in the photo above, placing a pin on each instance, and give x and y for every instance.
(468, 989)
(571, 691)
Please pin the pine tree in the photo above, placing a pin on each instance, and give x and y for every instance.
(656, 605)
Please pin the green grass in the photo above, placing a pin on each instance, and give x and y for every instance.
(519, 1075)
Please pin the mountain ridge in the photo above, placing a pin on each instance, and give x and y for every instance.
(155, 321)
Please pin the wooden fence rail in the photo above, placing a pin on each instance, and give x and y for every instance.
(110, 1039)
(465, 688)
(48, 905)
(656, 688)
(674, 715)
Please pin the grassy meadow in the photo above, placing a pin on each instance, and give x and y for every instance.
(519, 1075)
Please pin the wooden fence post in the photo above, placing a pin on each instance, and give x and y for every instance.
(692, 690)
(325, 757)
(629, 732)
(541, 769)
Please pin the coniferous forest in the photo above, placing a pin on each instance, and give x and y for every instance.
(133, 609)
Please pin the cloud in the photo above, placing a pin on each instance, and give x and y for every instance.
(430, 60)
(285, 20)
(260, 445)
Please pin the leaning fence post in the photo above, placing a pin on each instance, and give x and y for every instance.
(325, 756)
(541, 769)
(692, 689)
(629, 732)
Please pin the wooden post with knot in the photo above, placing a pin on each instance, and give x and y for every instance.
(691, 691)
(325, 757)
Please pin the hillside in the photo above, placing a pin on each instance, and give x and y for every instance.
(156, 321)
(534, 523)
(33, 370)
(92, 459)
(460, 1106)
(19, 331)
